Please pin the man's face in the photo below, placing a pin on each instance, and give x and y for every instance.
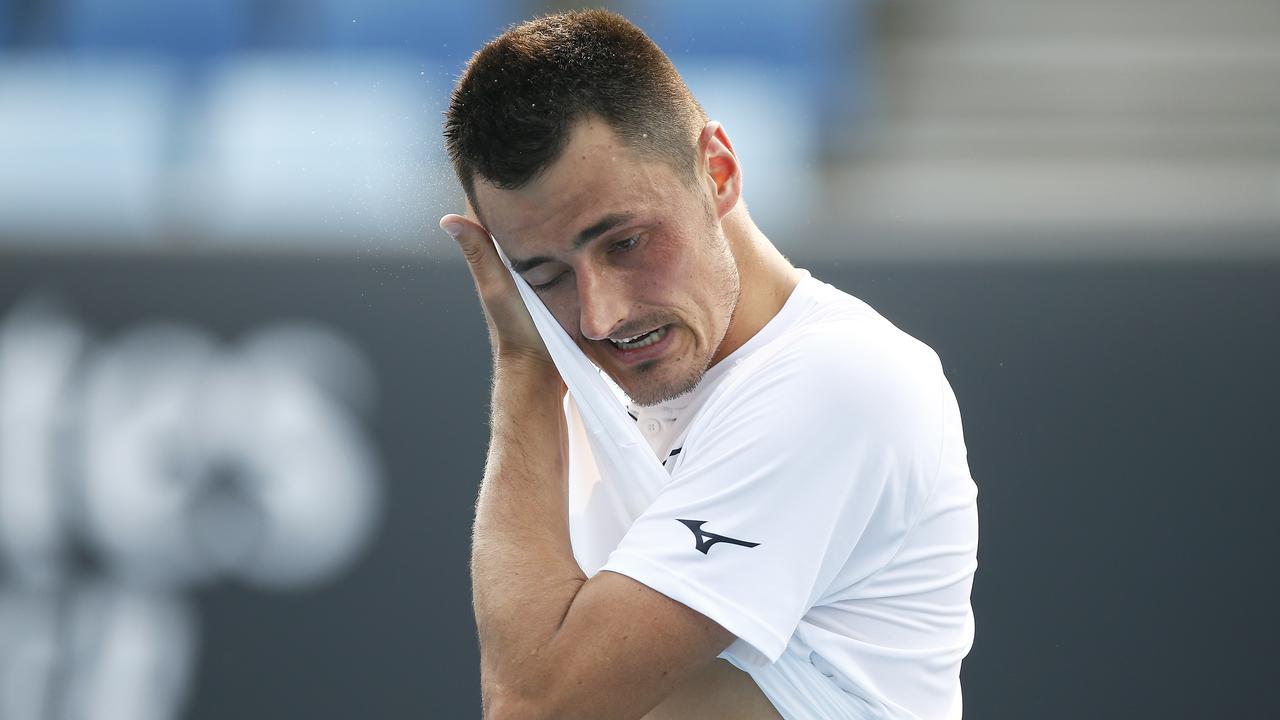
(622, 249)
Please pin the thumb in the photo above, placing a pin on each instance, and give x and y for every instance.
(510, 326)
(473, 239)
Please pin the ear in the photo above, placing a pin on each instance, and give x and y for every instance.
(720, 167)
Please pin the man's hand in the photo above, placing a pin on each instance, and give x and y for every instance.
(512, 333)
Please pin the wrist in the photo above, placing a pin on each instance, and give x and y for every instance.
(532, 367)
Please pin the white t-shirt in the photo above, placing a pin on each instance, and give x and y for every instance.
(818, 506)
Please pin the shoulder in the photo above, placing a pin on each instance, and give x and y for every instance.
(843, 379)
(842, 394)
(843, 351)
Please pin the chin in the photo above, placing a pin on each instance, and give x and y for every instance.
(654, 381)
(645, 390)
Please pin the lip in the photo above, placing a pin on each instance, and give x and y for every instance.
(631, 357)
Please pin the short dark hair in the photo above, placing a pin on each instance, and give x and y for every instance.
(520, 95)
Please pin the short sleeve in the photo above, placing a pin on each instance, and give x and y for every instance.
(804, 470)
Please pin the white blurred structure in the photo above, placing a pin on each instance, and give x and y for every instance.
(313, 150)
(266, 151)
(134, 470)
(84, 148)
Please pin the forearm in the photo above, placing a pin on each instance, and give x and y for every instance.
(524, 576)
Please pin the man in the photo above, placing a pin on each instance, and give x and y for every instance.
(812, 551)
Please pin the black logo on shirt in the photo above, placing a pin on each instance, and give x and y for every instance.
(705, 540)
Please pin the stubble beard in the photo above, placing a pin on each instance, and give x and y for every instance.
(649, 395)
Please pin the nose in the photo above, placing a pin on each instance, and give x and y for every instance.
(602, 305)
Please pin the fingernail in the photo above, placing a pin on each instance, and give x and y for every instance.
(452, 227)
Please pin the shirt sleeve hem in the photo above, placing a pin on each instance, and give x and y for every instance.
(746, 626)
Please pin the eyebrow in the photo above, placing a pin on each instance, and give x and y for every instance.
(605, 224)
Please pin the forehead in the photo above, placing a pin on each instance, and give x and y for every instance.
(597, 174)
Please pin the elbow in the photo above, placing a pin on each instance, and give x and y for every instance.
(542, 688)
(510, 706)
(503, 701)
(495, 710)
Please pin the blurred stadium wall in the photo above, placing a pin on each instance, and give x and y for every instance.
(243, 376)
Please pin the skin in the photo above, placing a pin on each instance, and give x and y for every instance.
(553, 643)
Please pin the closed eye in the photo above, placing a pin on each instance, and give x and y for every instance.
(619, 246)
(550, 283)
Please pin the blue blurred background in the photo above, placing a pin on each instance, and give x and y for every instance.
(243, 376)
(909, 128)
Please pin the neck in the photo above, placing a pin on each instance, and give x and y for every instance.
(767, 279)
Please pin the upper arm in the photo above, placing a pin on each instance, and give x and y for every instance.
(621, 649)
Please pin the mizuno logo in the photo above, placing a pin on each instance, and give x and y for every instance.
(705, 540)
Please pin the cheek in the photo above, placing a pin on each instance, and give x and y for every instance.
(564, 308)
(672, 264)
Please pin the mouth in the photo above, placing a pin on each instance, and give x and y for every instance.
(644, 346)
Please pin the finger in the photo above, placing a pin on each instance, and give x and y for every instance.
(490, 273)
(510, 325)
